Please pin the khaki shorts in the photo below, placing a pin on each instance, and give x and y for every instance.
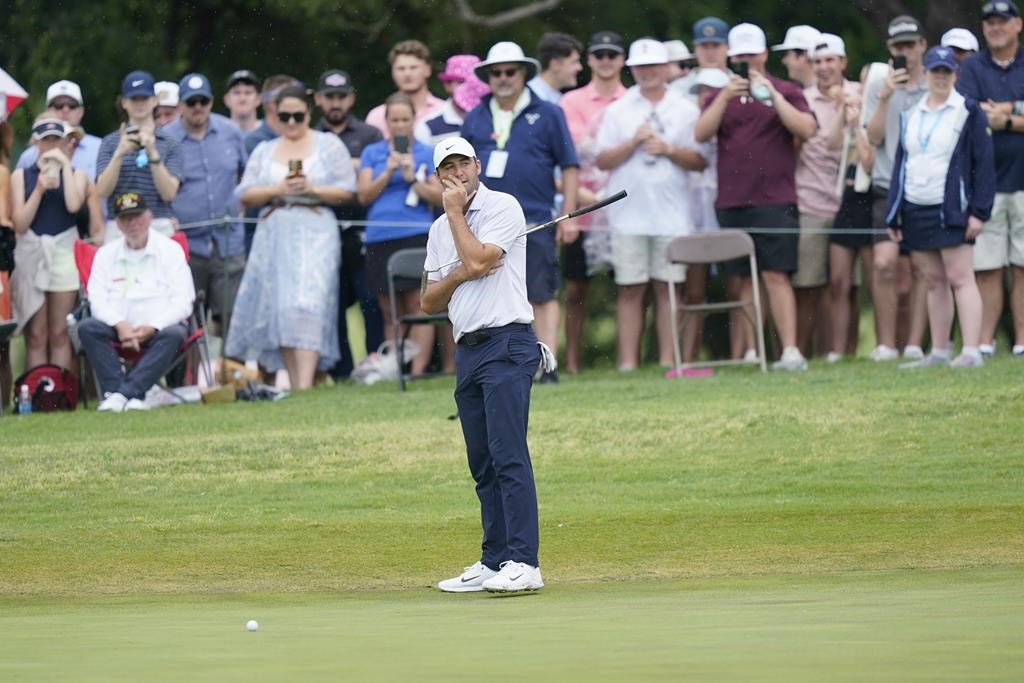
(63, 271)
(812, 257)
(1001, 243)
(638, 259)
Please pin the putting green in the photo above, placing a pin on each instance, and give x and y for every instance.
(905, 626)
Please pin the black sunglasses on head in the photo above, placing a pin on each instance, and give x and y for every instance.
(286, 116)
(197, 102)
(508, 72)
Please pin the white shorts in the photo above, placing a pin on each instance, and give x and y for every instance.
(1001, 243)
(638, 259)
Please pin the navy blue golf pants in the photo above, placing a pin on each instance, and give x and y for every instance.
(492, 392)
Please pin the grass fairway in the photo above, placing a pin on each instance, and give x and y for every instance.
(851, 523)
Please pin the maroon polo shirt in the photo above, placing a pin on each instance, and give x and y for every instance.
(756, 153)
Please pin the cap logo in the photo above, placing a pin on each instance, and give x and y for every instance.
(127, 201)
(137, 83)
(942, 52)
(195, 82)
(336, 80)
(708, 30)
(904, 27)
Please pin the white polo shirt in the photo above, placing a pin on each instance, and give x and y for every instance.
(659, 195)
(494, 300)
(151, 286)
(930, 139)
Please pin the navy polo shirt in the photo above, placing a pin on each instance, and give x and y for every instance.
(982, 79)
(538, 143)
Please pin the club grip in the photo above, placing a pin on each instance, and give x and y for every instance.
(621, 194)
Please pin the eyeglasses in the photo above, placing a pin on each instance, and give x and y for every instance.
(197, 102)
(605, 54)
(507, 72)
(65, 105)
(286, 116)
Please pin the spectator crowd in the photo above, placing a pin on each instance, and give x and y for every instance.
(907, 178)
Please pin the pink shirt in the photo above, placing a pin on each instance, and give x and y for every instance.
(817, 170)
(376, 116)
(756, 155)
(584, 110)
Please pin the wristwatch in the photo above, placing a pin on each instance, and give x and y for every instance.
(1008, 126)
(157, 161)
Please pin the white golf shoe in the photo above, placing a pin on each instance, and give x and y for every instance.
(470, 581)
(514, 577)
(112, 403)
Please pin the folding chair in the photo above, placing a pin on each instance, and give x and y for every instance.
(716, 247)
(7, 328)
(194, 352)
(408, 263)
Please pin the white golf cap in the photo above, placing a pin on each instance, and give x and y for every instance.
(801, 37)
(709, 78)
(677, 51)
(64, 89)
(746, 39)
(960, 38)
(451, 146)
(506, 52)
(166, 93)
(647, 52)
(829, 45)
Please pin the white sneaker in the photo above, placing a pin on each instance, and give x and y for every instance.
(135, 404)
(471, 580)
(833, 357)
(911, 352)
(967, 360)
(932, 360)
(514, 577)
(1018, 351)
(792, 360)
(750, 356)
(987, 350)
(883, 353)
(112, 403)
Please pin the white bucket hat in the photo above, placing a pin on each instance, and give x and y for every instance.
(506, 52)
(647, 52)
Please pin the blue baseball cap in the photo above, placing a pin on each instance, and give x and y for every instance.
(192, 85)
(940, 57)
(138, 84)
(710, 30)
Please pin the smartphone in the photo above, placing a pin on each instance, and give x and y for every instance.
(899, 62)
(133, 130)
(741, 69)
(401, 144)
(295, 168)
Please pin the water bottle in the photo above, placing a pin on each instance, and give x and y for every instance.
(24, 401)
(142, 159)
(651, 159)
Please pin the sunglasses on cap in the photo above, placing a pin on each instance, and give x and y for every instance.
(507, 72)
(605, 54)
(197, 101)
(994, 8)
(286, 116)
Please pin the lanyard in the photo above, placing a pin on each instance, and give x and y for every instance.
(925, 140)
(502, 122)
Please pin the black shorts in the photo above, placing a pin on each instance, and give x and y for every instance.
(923, 229)
(542, 278)
(776, 252)
(574, 260)
(377, 255)
(854, 214)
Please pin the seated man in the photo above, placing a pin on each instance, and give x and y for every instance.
(140, 290)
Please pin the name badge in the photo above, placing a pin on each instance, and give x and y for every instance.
(496, 164)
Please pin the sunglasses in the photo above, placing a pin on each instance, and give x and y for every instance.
(197, 102)
(508, 72)
(65, 105)
(605, 54)
(286, 116)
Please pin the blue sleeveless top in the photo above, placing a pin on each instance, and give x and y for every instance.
(52, 217)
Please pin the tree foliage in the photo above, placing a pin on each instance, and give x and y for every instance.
(96, 42)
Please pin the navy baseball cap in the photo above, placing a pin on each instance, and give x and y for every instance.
(242, 76)
(999, 8)
(710, 30)
(606, 40)
(940, 57)
(194, 85)
(138, 84)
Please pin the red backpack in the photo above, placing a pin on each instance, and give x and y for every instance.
(51, 387)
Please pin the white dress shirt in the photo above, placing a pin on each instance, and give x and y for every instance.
(151, 286)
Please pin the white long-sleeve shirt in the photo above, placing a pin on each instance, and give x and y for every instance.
(151, 286)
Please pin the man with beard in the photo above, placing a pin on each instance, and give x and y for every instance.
(214, 154)
(335, 96)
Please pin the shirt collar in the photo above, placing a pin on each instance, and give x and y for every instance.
(479, 198)
(595, 96)
(955, 99)
(522, 103)
(149, 250)
(449, 114)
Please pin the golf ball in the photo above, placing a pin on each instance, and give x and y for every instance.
(252, 625)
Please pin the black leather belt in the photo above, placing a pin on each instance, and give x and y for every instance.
(480, 336)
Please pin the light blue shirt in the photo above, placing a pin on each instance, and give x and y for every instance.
(544, 91)
(84, 158)
(213, 167)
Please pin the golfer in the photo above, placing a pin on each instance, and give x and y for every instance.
(495, 359)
